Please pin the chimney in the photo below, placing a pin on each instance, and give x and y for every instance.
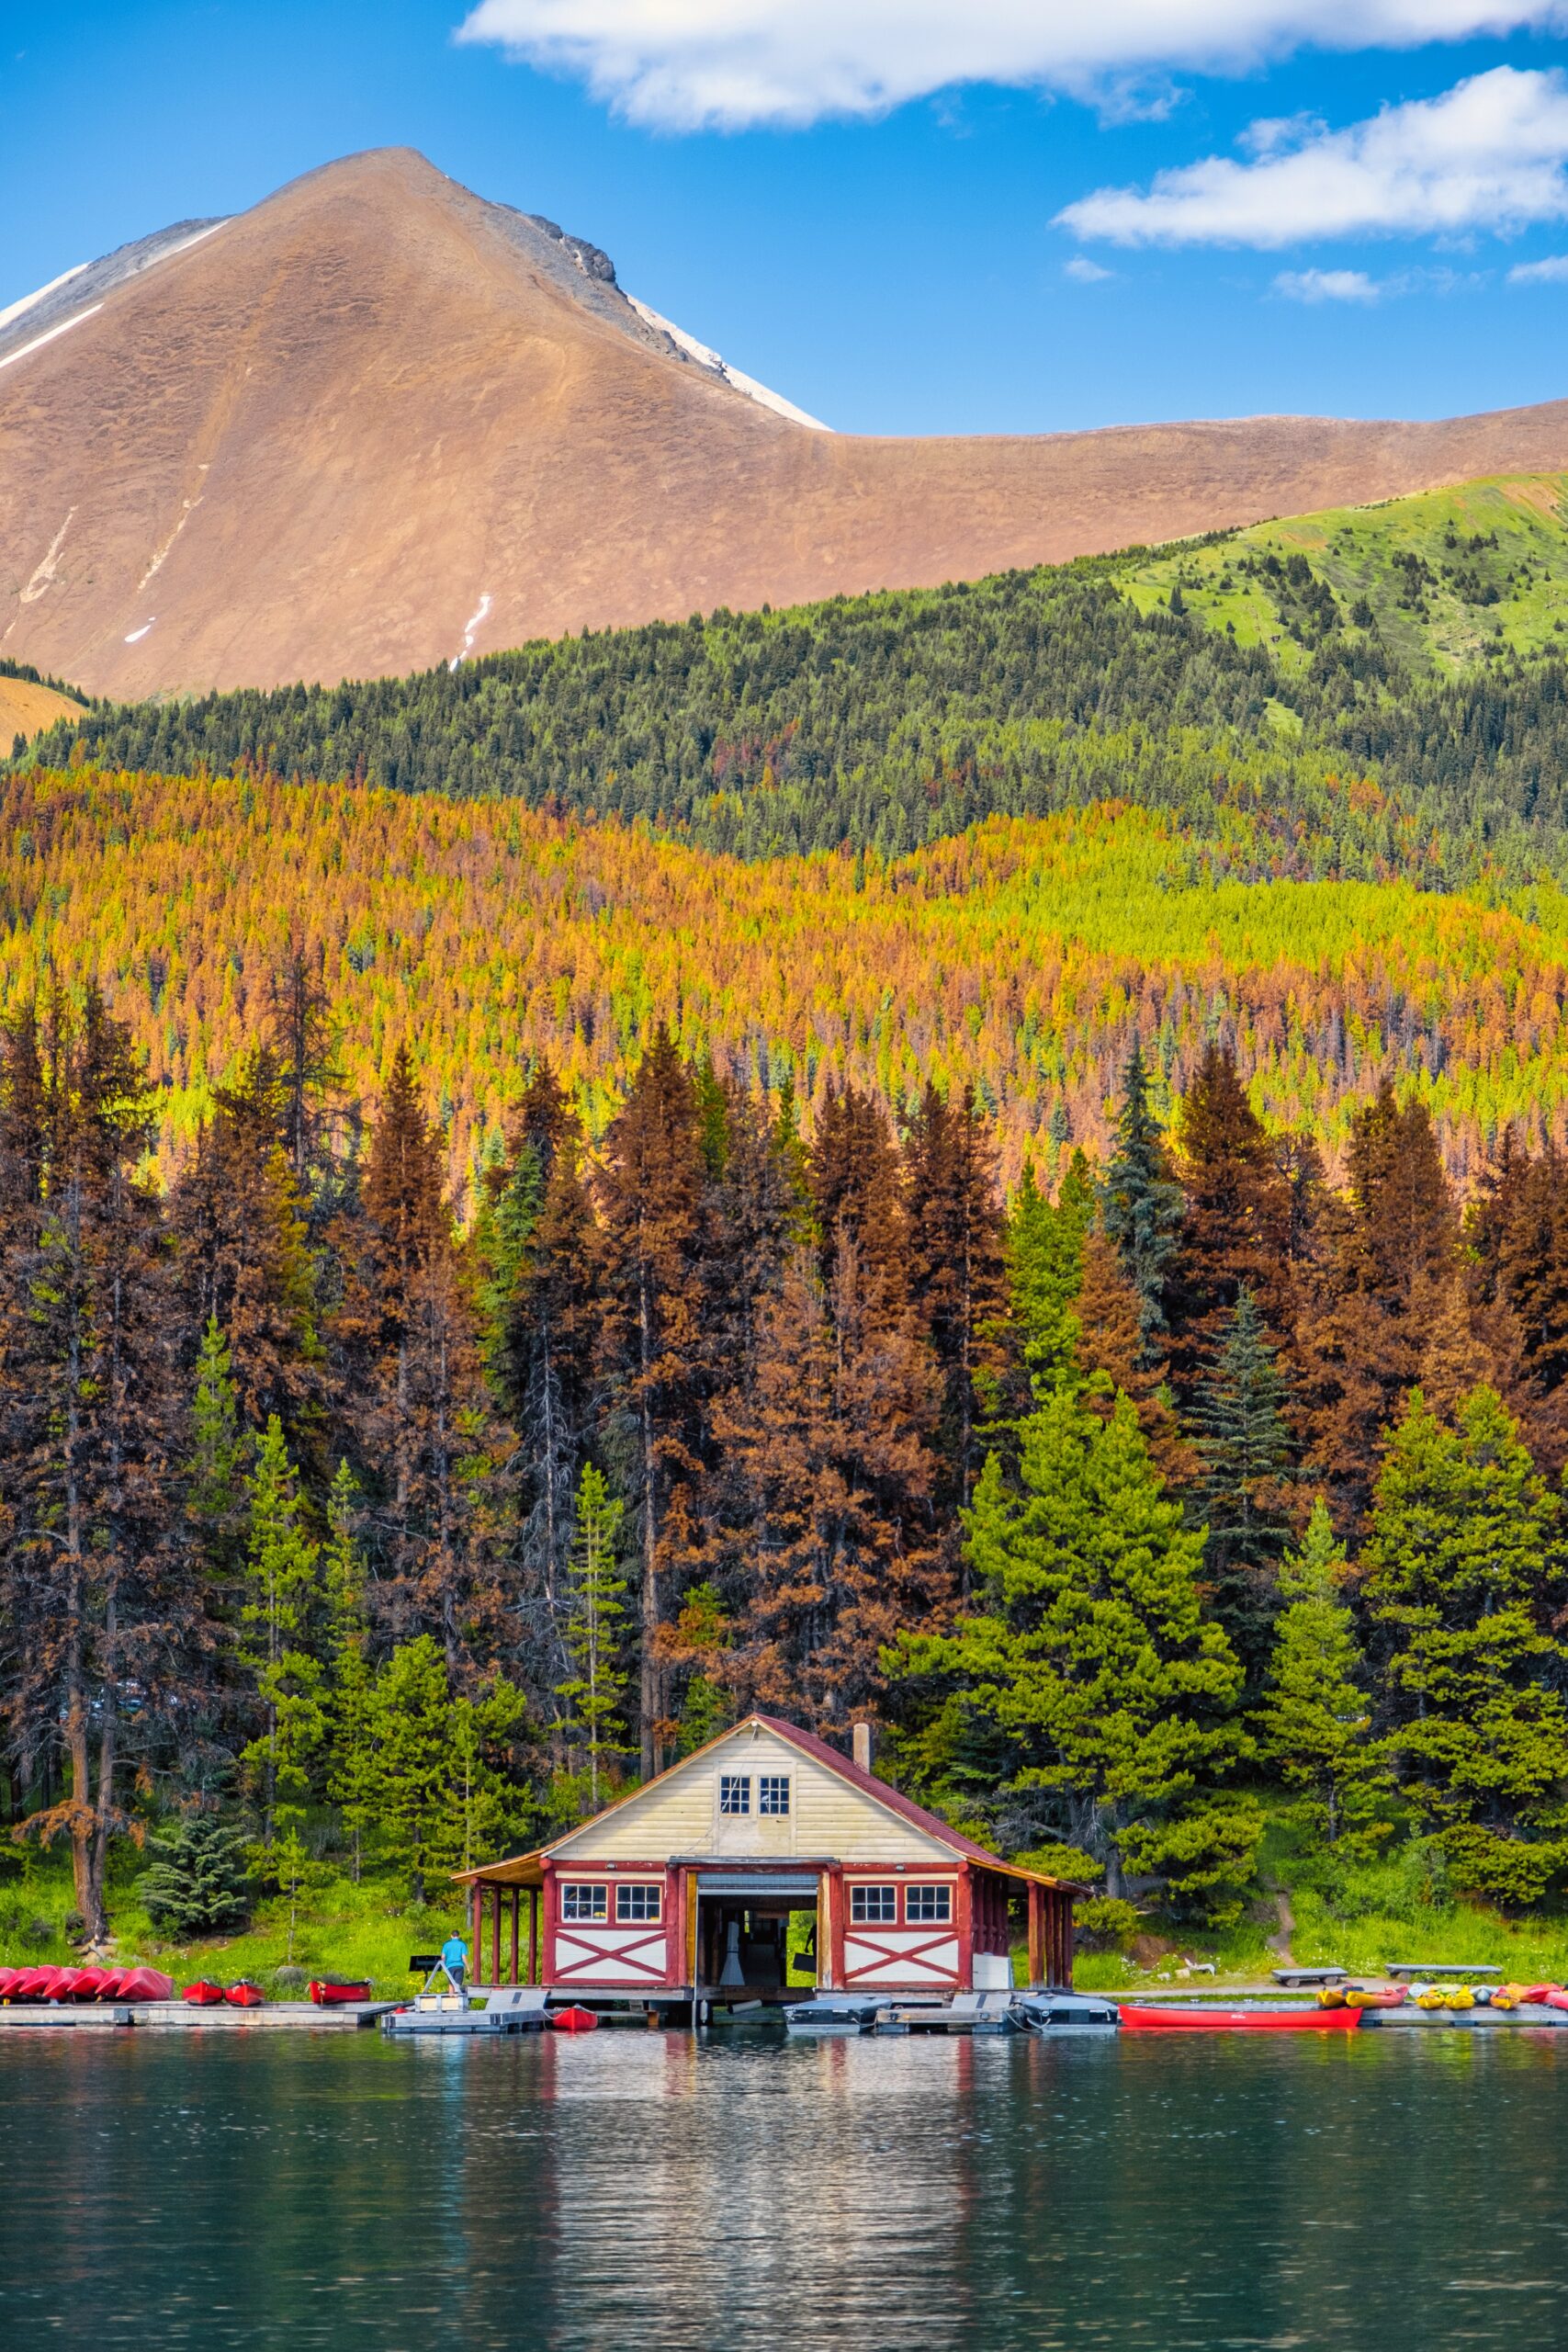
(860, 1734)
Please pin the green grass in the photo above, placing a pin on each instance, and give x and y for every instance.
(1435, 619)
(344, 1930)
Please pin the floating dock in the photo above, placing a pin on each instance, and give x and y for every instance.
(100, 2016)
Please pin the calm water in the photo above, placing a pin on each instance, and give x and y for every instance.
(634, 2191)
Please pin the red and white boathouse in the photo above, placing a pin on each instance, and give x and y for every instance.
(684, 1890)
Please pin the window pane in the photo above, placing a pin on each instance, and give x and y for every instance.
(873, 1906)
(633, 1903)
(585, 1902)
(773, 1793)
(734, 1793)
(926, 1902)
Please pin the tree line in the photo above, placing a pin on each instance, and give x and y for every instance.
(885, 721)
(1117, 1506)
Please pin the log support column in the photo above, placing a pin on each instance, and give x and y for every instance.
(1036, 1936)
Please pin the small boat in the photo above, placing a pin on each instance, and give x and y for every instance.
(7, 1978)
(244, 1995)
(90, 1983)
(573, 2020)
(35, 1984)
(332, 1992)
(144, 1984)
(204, 1994)
(833, 2016)
(113, 1979)
(1380, 1996)
(1139, 2017)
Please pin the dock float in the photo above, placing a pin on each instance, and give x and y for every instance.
(91, 2017)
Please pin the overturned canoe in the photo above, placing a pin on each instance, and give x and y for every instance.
(1142, 2017)
(333, 1992)
(204, 1995)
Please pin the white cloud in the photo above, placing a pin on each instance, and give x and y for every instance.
(1553, 271)
(1487, 154)
(1328, 286)
(1084, 272)
(691, 64)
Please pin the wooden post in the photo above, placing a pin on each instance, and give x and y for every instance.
(834, 1884)
(516, 1907)
(495, 1935)
(477, 1924)
(1036, 1936)
(965, 1927)
(674, 1927)
(533, 1935)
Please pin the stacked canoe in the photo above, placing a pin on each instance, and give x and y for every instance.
(20, 1985)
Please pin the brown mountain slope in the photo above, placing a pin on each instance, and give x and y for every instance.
(376, 421)
(27, 709)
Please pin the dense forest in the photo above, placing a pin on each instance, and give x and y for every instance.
(1188, 1483)
(882, 722)
(1021, 958)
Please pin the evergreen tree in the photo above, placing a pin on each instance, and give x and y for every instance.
(958, 1276)
(1141, 1205)
(1044, 1254)
(279, 1619)
(443, 1795)
(1316, 1718)
(413, 1391)
(595, 1614)
(1464, 1587)
(245, 1263)
(198, 1885)
(351, 1776)
(1236, 1232)
(651, 1194)
(215, 1465)
(831, 1455)
(107, 1652)
(1088, 1677)
(1242, 1491)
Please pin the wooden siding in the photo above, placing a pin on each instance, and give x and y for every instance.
(679, 1815)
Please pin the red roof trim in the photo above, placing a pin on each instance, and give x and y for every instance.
(894, 1799)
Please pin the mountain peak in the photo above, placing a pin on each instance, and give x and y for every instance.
(379, 422)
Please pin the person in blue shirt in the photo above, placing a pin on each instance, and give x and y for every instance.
(455, 1958)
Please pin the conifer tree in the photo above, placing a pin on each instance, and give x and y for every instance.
(351, 1776)
(1236, 1232)
(1464, 1587)
(279, 1645)
(856, 1193)
(1242, 1492)
(443, 1795)
(197, 1884)
(651, 1196)
(593, 1631)
(831, 1448)
(244, 1258)
(97, 1587)
(1104, 1702)
(958, 1276)
(1316, 1718)
(1111, 1343)
(215, 1464)
(411, 1389)
(1044, 1258)
(1141, 1205)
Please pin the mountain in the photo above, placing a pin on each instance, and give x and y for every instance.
(29, 705)
(378, 423)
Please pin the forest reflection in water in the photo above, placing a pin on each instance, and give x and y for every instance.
(644, 2192)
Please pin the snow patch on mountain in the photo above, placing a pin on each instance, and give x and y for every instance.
(721, 368)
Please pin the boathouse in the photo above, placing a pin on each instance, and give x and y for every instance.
(686, 1889)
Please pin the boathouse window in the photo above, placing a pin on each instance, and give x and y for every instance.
(873, 1906)
(584, 1902)
(635, 1903)
(923, 1904)
(773, 1793)
(734, 1793)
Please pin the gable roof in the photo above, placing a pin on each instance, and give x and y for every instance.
(527, 1870)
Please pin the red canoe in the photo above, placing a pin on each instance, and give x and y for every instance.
(204, 1995)
(144, 1984)
(244, 1995)
(1139, 2017)
(331, 1991)
(88, 1984)
(7, 1978)
(573, 2020)
(35, 1984)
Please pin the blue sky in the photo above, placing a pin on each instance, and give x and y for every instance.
(895, 210)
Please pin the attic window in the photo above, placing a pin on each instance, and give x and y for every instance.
(735, 1792)
(773, 1793)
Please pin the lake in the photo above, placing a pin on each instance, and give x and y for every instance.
(634, 2192)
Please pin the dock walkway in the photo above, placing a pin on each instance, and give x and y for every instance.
(93, 2016)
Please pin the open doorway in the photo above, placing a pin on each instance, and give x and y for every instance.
(756, 1937)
